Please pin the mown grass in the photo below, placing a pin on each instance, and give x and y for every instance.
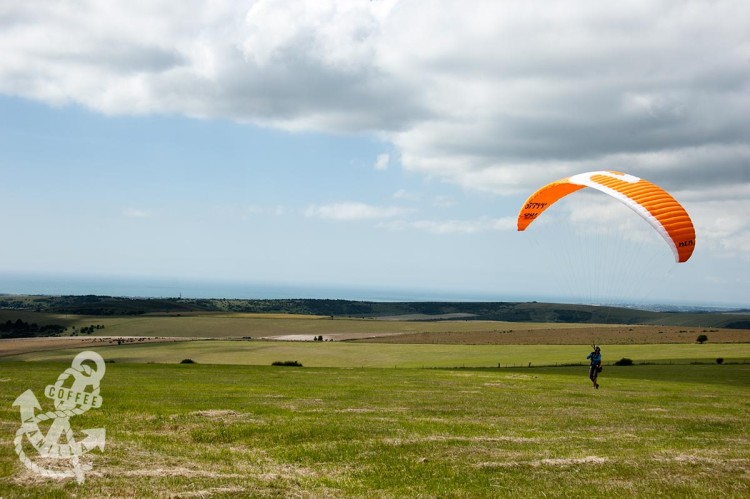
(260, 431)
(344, 354)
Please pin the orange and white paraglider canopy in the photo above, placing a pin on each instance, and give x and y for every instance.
(651, 202)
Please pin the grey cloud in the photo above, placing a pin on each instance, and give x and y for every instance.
(298, 91)
(295, 89)
(124, 59)
(705, 171)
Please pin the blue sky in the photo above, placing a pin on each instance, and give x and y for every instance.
(373, 145)
(202, 199)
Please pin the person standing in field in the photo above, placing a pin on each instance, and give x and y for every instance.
(596, 365)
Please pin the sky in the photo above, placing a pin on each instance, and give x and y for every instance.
(372, 144)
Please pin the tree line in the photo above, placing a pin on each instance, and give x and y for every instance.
(22, 329)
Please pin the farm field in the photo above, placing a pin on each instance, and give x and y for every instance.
(378, 355)
(239, 325)
(218, 339)
(169, 328)
(260, 431)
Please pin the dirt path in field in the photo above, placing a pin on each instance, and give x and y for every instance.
(331, 336)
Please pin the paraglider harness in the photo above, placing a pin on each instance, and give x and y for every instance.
(595, 368)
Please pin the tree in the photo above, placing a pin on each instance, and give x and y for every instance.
(702, 339)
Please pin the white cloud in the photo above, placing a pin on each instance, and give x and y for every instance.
(444, 201)
(353, 211)
(446, 227)
(244, 211)
(382, 161)
(136, 213)
(405, 195)
(722, 225)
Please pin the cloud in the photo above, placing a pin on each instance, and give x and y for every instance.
(244, 211)
(721, 220)
(499, 97)
(136, 213)
(405, 195)
(353, 211)
(444, 201)
(447, 227)
(382, 161)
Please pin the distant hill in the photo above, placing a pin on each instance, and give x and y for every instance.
(495, 311)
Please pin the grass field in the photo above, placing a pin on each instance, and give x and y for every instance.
(346, 354)
(348, 424)
(259, 431)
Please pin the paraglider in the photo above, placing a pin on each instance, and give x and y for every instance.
(651, 202)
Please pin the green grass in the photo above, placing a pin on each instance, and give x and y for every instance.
(343, 354)
(261, 431)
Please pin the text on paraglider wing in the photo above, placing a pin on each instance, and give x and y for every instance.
(534, 206)
(84, 399)
(683, 244)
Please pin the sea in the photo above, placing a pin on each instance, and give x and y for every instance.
(20, 283)
(14, 283)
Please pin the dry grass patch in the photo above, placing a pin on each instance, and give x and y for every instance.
(469, 439)
(178, 471)
(211, 492)
(215, 413)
